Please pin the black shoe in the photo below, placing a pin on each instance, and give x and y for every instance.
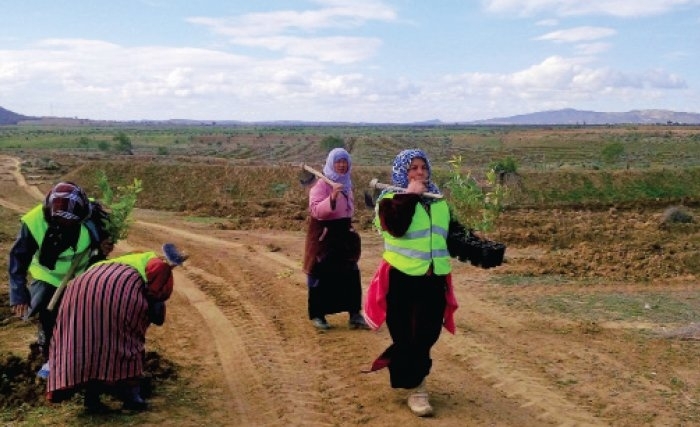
(320, 323)
(96, 408)
(135, 405)
(358, 322)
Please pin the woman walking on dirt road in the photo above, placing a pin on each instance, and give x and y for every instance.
(412, 287)
(332, 247)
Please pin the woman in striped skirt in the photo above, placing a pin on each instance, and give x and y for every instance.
(100, 331)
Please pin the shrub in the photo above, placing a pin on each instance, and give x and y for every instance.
(119, 205)
(475, 207)
(612, 152)
(330, 142)
(123, 143)
(676, 215)
(506, 165)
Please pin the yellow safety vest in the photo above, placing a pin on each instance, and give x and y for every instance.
(424, 242)
(37, 225)
(137, 261)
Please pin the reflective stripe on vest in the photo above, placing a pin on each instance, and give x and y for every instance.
(137, 261)
(424, 242)
(37, 225)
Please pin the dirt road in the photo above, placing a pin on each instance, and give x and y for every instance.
(237, 327)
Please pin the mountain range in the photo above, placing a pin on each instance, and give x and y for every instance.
(568, 116)
(571, 116)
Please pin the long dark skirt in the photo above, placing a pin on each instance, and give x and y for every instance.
(415, 311)
(334, 291)
(100, 330)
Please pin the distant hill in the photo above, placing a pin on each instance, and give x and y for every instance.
(571, 116)
(568, 116)
(8, 117)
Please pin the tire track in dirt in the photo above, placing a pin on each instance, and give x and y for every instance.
(519, 384)
(10, 172)
(217, 242)
(11, 206)
(238, 369)
(12, 165)
(513, 378)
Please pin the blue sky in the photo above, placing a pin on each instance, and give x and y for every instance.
(346, 60)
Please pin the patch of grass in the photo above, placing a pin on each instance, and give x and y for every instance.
(519, 280)
(604, 188)
(651, 307)
(202, 219)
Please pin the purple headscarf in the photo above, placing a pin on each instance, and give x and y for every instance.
(329, 171)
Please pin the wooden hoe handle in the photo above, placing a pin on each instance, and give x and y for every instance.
(376, 184)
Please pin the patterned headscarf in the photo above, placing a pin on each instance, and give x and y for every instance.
(329, 171)
(67, 200)
(159, 276)
(402, 162)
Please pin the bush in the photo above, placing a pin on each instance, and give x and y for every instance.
(330, 142)
(502, 166)
(676, 215)
(475, 207)
(612, 152)
(123, 141)
(119, 205)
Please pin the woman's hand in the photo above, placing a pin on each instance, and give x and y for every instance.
(416, 187)
(106, 247)
(336, 189)
(20, 310)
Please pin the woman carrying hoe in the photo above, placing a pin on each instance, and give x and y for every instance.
(332, 247)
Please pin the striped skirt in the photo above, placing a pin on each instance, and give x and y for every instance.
(100, 331)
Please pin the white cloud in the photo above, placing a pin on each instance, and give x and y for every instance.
(547, 23)
(578, 34)
(661, 79)
(620, 8)
(591, 49)
(296, 32)
(339, 50)
(155, 82)
(557, 78)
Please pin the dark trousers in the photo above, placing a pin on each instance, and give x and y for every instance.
(334, 291)
(41, 294)
(415, 312)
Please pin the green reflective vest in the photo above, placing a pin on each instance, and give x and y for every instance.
(425, 241)
(137, 261)
(37, 225)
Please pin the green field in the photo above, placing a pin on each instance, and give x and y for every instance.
(533, 148)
